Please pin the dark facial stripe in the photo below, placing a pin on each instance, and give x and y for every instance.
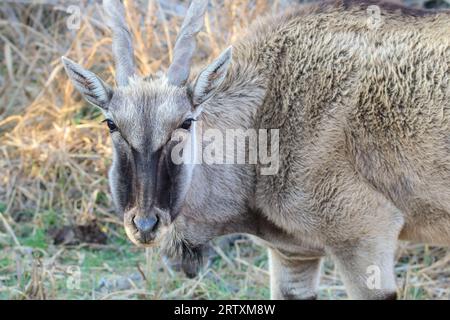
(150, 179)
(163, 189)
(144, 178)
(121, 171)
(171, 182)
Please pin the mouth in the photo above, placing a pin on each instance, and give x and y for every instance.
(176, 249)
(147, 238)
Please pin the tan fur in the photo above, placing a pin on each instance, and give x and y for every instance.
(364, 117)
(368, 118)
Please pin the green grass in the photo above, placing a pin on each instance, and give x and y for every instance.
(118, 269)
(36, 239)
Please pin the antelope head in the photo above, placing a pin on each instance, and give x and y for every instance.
(143, 115)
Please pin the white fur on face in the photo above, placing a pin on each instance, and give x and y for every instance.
(147, 112)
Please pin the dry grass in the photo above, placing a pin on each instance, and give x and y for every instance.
(54, 156)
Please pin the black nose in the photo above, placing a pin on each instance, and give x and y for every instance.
(145, 224)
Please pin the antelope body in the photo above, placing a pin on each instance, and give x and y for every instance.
(363, 113)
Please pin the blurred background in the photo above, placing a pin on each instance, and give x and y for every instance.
(59, 235)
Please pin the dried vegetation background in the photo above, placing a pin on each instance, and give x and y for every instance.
(59, 237)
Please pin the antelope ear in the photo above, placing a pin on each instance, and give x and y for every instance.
(211, 78)
(88, 84)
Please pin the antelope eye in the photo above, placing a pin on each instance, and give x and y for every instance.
(186, 125)
(111, 125)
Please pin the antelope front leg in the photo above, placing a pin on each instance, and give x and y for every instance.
(293, 279)
(367, 268)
